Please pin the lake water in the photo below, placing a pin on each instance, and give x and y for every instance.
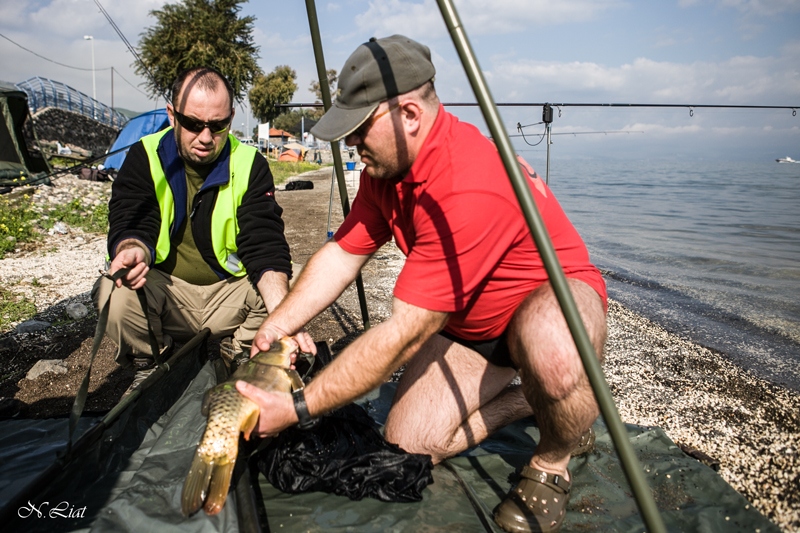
(709, 250)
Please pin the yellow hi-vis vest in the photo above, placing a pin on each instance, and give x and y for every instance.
(224, 225)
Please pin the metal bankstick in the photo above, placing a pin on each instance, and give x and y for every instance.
(630, 464)
(337, 156)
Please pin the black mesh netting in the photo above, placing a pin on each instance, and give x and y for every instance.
(345, 454)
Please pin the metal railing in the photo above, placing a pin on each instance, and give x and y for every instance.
(43, 93)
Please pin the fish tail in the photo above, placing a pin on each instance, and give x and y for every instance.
(220, 483)
(196, 485)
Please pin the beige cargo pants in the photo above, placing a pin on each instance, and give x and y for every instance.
(179, 309)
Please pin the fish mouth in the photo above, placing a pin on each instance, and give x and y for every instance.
(286, 348)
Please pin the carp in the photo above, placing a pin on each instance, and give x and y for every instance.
(229, 413)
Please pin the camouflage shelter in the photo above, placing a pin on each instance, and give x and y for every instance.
(18, 163)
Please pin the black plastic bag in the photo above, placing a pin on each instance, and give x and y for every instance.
(299, 185)
(345, 454)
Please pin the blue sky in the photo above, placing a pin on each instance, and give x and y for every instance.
(740, 52)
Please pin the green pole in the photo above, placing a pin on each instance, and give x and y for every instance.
(337, 156)
(631, 466)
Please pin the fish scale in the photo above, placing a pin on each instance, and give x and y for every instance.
(229, 414)
(221, 438)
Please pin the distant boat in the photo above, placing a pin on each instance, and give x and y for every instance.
(786, 160)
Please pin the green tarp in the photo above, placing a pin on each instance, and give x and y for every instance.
(690, 495)
(132, 479)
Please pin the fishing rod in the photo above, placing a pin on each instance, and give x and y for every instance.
(583, 132)
(45, 178)
(690, 106)
(793, 108)
(89, 161)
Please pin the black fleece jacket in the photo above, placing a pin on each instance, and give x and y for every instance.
(134, 213)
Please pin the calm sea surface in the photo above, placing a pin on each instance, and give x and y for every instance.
(709, 250)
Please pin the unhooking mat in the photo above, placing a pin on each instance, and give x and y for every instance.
(690, 496)
(133, 481)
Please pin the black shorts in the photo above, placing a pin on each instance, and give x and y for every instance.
(493, 350)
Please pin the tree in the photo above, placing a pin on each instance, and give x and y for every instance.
(291, 121)
(268, 91)
(196, 33)
(333, 77)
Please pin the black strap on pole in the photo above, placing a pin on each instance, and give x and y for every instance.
(631, 466)
(140, 294)
(100, 330)
(337, 156)
(83, 390)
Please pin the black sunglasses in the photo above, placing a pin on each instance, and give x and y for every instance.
(195, 126)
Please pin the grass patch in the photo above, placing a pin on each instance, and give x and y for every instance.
(16, 223)
(282, 170)
(92, 219)
(14, 308)
(19, 218)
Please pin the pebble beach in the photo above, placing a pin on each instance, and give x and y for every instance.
(703, 402)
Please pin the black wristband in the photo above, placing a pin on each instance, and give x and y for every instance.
(304, 418)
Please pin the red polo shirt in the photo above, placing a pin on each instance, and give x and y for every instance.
(455, 216)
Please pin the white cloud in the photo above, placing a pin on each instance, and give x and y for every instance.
(423, 19)
(762, 7)
(652, 129)
(753, 7)
(743, 80)
(733, 130)
(71, 17)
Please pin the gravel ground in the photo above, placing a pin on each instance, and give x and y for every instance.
(702, 400)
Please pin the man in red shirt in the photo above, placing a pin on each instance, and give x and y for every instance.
(472, 307)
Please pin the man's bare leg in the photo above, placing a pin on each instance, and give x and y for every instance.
(552, 373)
(449, 399)
(556, 385)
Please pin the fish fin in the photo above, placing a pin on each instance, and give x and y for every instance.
(250, 422)
(196, 485)
(294, 377)
(206, 402)
(220, 483)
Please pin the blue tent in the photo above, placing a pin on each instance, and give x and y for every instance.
(135, 129)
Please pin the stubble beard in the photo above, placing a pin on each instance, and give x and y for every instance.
(383, 170)
(189, 156)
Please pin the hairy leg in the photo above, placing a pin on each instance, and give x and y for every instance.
(551, 370)
(449, 399)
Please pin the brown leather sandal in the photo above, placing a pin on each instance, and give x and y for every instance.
(537, 503)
